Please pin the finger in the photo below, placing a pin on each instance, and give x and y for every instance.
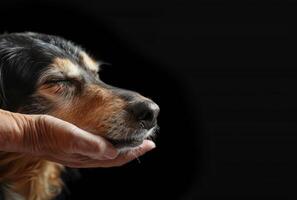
(73, 163)
(83, 142)
(67, 163)
(93, 146)
(146, 146)
(122, 159)
(78, 161)
(70, 158)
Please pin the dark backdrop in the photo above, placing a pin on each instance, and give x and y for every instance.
(222, 74)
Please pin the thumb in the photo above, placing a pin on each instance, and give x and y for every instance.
(93, 146)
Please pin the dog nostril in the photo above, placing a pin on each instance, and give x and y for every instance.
(145, 112)
(146, 115)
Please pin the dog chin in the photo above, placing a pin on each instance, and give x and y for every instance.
(124, 145)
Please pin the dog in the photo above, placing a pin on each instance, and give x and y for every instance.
(46, 74)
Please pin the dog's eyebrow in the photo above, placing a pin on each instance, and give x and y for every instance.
(88, 62)
(66, 67)
(60, 67)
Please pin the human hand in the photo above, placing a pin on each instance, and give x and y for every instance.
(59, 141)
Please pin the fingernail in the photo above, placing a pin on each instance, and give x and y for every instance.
(111, 153)
(151, 144)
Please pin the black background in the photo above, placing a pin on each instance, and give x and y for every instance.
(223, 74)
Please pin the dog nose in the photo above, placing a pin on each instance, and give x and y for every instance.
(145, 112)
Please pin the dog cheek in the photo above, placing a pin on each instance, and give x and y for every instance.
(36, 105)
(94, 116)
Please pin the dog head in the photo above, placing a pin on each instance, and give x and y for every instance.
(44, 74)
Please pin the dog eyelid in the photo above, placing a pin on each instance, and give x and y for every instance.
(53, 81)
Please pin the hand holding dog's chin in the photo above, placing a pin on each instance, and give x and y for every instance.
(59, 141)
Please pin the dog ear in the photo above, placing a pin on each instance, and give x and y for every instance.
(2, 91)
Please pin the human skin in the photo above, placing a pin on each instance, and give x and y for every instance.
(50, 138)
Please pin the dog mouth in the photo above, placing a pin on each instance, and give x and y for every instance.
(135, 140)
(130, 142)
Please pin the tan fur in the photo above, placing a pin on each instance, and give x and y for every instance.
(66, 66)
(60, 65)
(32, 178)
(91, 110)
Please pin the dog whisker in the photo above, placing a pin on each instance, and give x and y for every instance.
(137, 158)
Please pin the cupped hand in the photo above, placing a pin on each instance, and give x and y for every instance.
(59, 141)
